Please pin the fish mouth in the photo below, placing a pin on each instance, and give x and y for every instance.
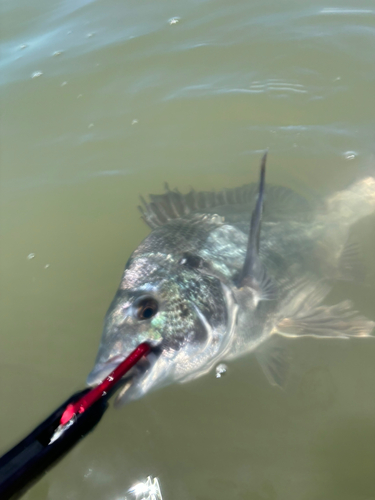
(102, 370)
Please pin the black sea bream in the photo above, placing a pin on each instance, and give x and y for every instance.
(220, 273)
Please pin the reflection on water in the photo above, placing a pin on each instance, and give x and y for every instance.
(147, 490)
(192, 103)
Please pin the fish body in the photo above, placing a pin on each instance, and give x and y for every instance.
(221, 273)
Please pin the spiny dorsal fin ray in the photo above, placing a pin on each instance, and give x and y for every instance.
(253, 273)
(256, 219)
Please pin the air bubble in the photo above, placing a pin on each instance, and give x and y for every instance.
(134, 122)
(31, 256)
(174, 20)
(88, 473)
(350, 155)
(221, 370)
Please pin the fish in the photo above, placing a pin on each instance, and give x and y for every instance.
(221, 273)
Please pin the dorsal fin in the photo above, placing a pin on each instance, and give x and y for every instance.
(253, 274)
(173, 204)
(235, 204)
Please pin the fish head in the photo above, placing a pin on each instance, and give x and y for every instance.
(171, 301)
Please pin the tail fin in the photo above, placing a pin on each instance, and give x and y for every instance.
(354, 203)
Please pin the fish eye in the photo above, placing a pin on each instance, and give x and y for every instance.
(190, 260)
(147, 308)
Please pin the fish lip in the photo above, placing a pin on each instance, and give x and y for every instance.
(102, 370)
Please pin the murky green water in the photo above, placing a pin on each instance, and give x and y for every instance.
(135, 99)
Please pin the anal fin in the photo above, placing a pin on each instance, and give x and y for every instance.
(338, 321)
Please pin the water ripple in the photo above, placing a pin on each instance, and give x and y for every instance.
(271, 86)
(339, 10)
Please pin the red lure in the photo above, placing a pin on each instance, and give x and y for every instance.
(101, 390)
